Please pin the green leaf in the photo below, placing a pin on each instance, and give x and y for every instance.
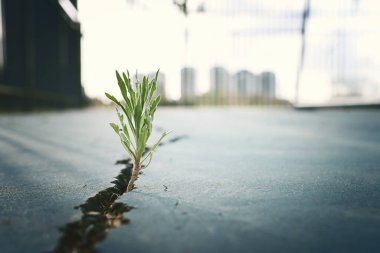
(153, 107)
(125, 128)
(131, 92)
(154, 147)
(122, 87)
(157, 74)
(115, 127)
(112, 98)
(152, 89)
(128, 149)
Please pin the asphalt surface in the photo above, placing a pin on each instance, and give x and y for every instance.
(241, 180)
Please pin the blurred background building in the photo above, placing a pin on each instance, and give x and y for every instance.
(244, 83)
(188, 79)
(40, 54)
(268, 82)
(220, 82)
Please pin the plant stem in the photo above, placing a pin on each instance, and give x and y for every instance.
(135, 173)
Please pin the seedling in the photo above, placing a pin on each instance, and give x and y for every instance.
(138, 109)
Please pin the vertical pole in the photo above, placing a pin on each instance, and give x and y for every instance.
(305, 17)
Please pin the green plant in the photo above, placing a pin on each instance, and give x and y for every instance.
(138, 108)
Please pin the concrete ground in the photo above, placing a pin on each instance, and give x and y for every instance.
(243, 180)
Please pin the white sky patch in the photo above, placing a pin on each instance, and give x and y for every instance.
(116, 36)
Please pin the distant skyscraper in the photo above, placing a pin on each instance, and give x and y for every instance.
(268, 80)
(219, 82)
(188, 84)
(247, 84)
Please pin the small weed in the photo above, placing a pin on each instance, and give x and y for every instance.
(138, 109)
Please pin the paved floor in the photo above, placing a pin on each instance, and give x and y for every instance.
(243, 180)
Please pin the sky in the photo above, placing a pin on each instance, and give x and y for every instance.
(145, 35)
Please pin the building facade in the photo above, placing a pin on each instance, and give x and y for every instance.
(268, 80)
(219, 82)
(188, 77)
(246, 84)
(40, 63)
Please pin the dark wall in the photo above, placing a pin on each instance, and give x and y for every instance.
(14, 43)
(42, 55)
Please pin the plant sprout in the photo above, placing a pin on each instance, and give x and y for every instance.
(138, 108)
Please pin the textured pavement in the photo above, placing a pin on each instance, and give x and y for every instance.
(242, 180)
